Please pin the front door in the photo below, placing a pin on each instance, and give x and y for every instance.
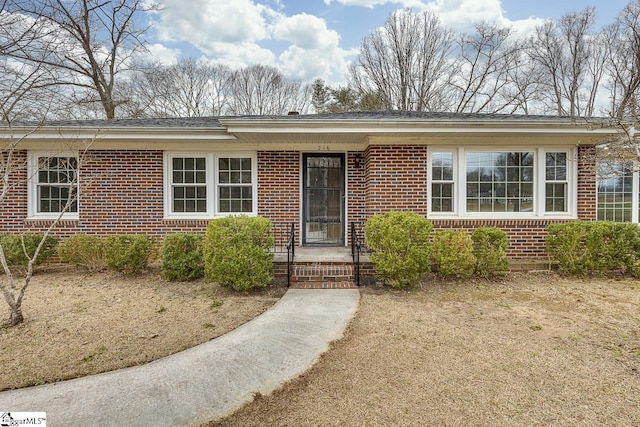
(323, 199)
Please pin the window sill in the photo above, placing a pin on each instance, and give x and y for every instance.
(46, 221)
(508, 216)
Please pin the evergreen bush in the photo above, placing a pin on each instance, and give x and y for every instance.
(237, 252)
(182, 257)
(453, 253)
(400, 245)
(595, 248)
(490, 249)
(83, 251)
(15, 253)
(128, 253)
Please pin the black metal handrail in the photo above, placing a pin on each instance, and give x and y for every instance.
(291, 252)
(356, 247)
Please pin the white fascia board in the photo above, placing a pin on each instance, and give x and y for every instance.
(110, 134)
(420, 128)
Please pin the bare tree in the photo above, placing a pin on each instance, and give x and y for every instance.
(13, 172)
(263, 90)
(85, 43)
(21, 85)
(623, 61)
(406, 62)
(523, 88)
(570, 63)
(190, 88)
(486, 60)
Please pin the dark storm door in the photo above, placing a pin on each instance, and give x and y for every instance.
(323, 199)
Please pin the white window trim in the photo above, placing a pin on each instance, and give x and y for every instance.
(539, 196)
(168, 200)
(542, 173)
(32, 186)
(254, 184)
(456, 178)
(635, 196)
(211, 184)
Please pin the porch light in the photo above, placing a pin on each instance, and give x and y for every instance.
(357, 160)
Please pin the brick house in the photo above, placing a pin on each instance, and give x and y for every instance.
(320, 172)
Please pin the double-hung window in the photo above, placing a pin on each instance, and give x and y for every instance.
(556, 182)
(484, 183)
(209, 184)
(189, 184)
(53, 185)
(235, 185)
(442, 199)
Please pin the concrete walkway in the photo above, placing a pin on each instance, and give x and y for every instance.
(205, 382)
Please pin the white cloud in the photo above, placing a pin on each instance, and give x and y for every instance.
(305, 31)
(237, 55)
(314, 51)
(219, 20)
(459, 15)
(162, 54)
(373, 3)
(238, 33)
(462, 14)
(307, 65)
(216, 27)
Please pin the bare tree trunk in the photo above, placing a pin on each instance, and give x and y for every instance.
(13, 288)
(16, 316)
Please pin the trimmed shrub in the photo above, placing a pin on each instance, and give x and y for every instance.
(626, 246)
(182, 257)
(453, 253)
(15, 253)
(490, 249)
(83, 251)
(595, 248)
(237, 252)
(128, 253)
(566, 243)
(401, 247)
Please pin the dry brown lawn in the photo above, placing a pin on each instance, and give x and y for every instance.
(532, 349)
(79, 323)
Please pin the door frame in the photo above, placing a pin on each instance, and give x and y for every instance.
(343, 199)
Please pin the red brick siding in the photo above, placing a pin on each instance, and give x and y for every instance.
(13, 209)
(526, 237)
(356, 192)
(279, 189)
(121, 192)
(587, 202)
(396, 179)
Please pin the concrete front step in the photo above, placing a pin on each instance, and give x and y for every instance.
(324, 285)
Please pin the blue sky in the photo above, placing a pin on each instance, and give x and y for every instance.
(307, 39)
